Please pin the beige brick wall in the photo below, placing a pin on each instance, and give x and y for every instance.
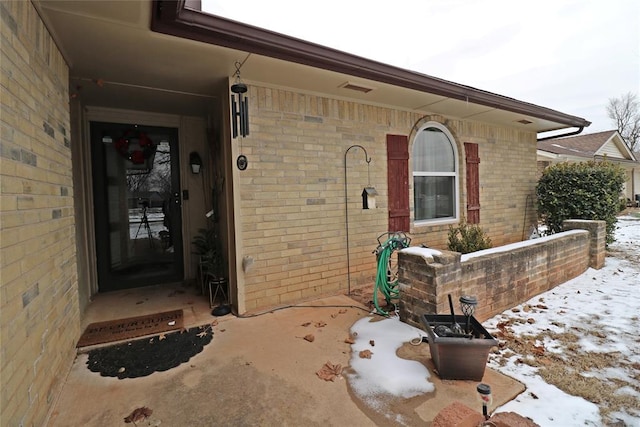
(498, 279)
(39, 315)
(292, 215)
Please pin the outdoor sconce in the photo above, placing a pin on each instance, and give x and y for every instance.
(468, 306)
(239, 106)
(196, 162)
(484, 392)
(369, 198)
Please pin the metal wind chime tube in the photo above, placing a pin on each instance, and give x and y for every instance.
(239, 106)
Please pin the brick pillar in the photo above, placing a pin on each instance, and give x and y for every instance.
(597, 238)
(423, 275)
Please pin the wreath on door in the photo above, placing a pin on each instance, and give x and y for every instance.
(138, 138)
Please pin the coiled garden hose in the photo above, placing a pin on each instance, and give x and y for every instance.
(386, 280)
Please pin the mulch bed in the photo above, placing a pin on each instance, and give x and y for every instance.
(143, 357)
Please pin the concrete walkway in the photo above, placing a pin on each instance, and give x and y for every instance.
(260, 371)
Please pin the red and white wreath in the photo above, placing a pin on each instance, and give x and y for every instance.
(133, 137)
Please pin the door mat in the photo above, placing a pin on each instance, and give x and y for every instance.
(132, 327)
(145, 356)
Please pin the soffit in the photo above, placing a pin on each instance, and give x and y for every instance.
(117, 61)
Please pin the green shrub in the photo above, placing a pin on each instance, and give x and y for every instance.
(622, 204)
(588, 190)
(466, 238)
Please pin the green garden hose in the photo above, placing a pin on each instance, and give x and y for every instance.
(386, 278)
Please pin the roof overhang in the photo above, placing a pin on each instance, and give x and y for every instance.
(183, 18)
(168, 56)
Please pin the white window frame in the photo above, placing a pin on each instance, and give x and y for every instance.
(455, 174)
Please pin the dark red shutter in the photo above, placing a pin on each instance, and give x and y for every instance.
(398, 181)
(473, 182)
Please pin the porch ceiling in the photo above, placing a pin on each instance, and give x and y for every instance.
(117, 61)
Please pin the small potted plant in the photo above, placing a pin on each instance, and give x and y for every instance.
(206, 247)
(211, 270)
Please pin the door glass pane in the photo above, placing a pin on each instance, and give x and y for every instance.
(138, 232)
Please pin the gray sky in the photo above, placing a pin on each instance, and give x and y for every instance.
(569, 55)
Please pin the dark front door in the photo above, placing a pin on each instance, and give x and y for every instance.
(137, 205)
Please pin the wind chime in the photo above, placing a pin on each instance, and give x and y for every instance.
(239, 113)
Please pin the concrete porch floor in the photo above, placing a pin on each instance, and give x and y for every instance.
(149, 300)
(255, 371)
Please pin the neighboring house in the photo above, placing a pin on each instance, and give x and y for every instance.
(103, 100)
(607, 145)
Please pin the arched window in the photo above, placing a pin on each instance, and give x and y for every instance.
(435, 175)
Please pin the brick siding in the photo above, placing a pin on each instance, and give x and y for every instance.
(292, 218)
(39, 315)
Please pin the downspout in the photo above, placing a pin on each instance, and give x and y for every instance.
(575, 132)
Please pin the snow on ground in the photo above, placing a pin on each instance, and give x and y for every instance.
(385, 374)
(600, 308)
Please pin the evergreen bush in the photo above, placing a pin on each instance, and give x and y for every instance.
(587, 190)
(467, 238)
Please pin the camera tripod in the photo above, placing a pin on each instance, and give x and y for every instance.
(145, 222)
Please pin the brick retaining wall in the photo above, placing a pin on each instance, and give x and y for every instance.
(500, 278)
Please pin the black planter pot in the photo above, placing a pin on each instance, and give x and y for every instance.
(221, 310)
(458, 358)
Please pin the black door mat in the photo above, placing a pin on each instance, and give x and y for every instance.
(143, 357)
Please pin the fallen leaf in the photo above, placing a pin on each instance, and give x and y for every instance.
(320, 324)
(531, 320)
(538, 350)
(309, 337)
(138, 414)
(372, 343)
(343, 311)
(162, 337)
(214, 323)
(222, 330)
(349, 340)
(202, 334)
(305, 324)
(334, 315)
(121, 370)
(365, 354)
(329, 371)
